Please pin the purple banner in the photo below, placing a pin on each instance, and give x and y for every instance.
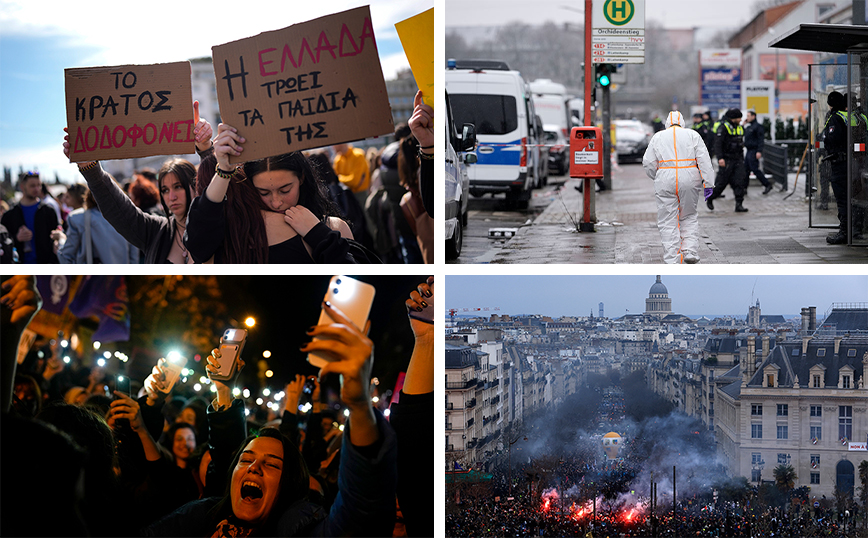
(55, 292)
(106, 298)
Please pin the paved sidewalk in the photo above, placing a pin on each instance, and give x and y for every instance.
(774, 230)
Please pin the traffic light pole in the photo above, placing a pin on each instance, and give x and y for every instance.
(587, 222)
(607, 138)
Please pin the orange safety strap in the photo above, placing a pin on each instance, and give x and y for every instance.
(677, 166)
(677, 197)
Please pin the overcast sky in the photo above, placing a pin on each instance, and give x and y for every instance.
(690, 295)
(40, 38)
(669, 13)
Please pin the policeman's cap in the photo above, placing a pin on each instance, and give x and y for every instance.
(837, 101)
(732, 114)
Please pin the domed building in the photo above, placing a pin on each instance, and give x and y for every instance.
(658, 303)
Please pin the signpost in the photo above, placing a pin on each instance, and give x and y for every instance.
(618, 35)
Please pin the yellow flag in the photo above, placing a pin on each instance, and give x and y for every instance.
(417, 38)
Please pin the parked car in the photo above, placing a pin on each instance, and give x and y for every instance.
(559, 150)
(631, 139)
(457, 180)
(539, 151)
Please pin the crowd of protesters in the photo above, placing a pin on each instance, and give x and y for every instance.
(371, 206)
(574, 489)
(525, 516)
(82, 457)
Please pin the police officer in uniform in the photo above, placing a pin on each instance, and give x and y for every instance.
(729, 149)
(704, 129)
(834, 137)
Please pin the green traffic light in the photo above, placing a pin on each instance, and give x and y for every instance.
(604, 80)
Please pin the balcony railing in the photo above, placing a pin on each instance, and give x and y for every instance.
(448, 425)
(471, 404)
(450, 406)
(461, 385)
(450, 448)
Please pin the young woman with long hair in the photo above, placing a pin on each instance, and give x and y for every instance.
(159, 237)
(273, 210)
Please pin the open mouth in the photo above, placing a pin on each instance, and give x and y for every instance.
(250, 491)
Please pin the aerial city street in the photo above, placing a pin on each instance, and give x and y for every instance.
(644, 406)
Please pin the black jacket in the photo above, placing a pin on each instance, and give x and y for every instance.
(729, 142)
(754, 137)
(44, 222)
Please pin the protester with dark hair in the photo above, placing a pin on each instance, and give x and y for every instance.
(31, 221)
(395, 239)
(282, 213)
(411, 204)
(266, 488)
(103, 505)
(350, 210)
(422, 125)
(195, 413)
(40, 499)
(160, 238)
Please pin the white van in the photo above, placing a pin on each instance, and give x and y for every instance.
(495, 99)
(550, 100)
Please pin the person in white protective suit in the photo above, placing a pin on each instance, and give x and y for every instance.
(678, 162)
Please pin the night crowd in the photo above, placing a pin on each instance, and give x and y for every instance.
(84, 457)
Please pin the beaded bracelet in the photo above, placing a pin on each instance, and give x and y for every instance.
(224, 174)
(426, 147)
(426, 156)
(88, 167)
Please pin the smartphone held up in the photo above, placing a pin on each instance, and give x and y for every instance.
(172, 367)
(231, 346)
(352, 297)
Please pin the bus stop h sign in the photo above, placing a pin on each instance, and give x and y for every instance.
(618, 35)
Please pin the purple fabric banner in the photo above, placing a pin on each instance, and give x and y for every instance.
(106, 298)
(55, 292)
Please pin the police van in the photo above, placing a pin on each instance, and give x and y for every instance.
(496, 100)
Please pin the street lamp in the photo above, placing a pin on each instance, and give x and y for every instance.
(250, 322)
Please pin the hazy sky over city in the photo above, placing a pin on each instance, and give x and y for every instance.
(39, 39)
(669, 13)
(691, 295)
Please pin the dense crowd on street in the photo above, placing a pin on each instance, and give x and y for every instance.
(87, 454)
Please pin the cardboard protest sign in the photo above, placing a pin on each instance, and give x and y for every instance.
(309, 85)
(417, 38)
(129, 111)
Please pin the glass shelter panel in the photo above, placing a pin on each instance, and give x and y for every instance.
(838, 190)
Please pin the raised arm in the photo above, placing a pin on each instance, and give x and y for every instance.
(226, 144)
(139, 228)
(365, 503)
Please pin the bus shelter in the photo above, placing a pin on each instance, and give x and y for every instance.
(847, 74)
